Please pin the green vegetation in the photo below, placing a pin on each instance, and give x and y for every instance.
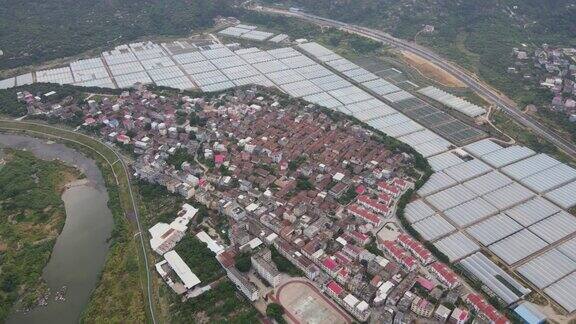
(348, 196)
(118, 297)
(295, 164)
(38, 31)
(477, 35)
(9, 104)
(303, 183)
(157, 204)
(341, 42)
(275, 311)
(199, 258)
(221, 304)
(195, 120)
(242, 262)
(284, 265)
(372, 247)
(31, 217)
(180, 156)
(527, 137)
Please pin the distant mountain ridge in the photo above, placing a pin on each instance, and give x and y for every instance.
(34, 31)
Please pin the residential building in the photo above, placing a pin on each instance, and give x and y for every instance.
(262, 263)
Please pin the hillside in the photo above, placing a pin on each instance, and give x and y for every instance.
(34, 31)
(478, 35)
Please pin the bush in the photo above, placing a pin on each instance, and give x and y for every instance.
(275, 311)
(242, 262)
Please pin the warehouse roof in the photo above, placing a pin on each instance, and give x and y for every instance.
(564, 196)
(444, 160)
(508, 196)
(482, 147)
(182, 270)
(488, 182)
(468, 170)
(450, 197)
(417, 210)
(569, 248)
(470, 212)
(550, 178)
(555, 227)
(530, 166)
(437, 181)
(507, 155)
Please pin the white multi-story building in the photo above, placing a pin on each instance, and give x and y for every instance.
(262, 263)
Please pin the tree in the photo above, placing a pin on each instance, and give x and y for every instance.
(304, 184)
(275, 311)
(242, 262)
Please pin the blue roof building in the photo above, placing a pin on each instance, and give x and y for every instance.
(530, 314)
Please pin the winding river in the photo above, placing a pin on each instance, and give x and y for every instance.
(80, 250)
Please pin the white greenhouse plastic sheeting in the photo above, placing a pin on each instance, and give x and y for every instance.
(547, 268)
(517, 246)
(456, 246)
(494, 229)
(501, 283)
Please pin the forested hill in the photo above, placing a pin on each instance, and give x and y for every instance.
(33, 31)
(477, 34)
(553, 19)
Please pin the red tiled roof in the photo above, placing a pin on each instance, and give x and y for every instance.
(409, 261)
(388, 188)
(374, 204)
(445, 273)
(363, 213)
(427, 284)
(335, 287)
(359, 236)
(488, 310)
(330, 264)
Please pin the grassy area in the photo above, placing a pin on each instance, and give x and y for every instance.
(199, 258)
(32, 216)
(120, 293)
(157, 204)
(284, 265)
(222, 304)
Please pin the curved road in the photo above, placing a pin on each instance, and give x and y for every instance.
(5, 124)
(490, 94)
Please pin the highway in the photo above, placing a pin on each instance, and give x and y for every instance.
(482, 89)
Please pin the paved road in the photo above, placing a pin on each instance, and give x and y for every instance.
(12, 125)
(490, 94)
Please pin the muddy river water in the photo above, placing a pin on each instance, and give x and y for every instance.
(80, 250)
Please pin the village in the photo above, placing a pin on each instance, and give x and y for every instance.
(554, 69)
(293, 182)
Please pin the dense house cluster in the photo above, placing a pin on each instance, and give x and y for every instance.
(290, 179)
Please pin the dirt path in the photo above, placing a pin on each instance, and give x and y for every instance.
(431, 71)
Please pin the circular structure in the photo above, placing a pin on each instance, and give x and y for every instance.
(304, 303)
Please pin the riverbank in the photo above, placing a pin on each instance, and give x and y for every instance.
(122, 290)
(32, 216)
